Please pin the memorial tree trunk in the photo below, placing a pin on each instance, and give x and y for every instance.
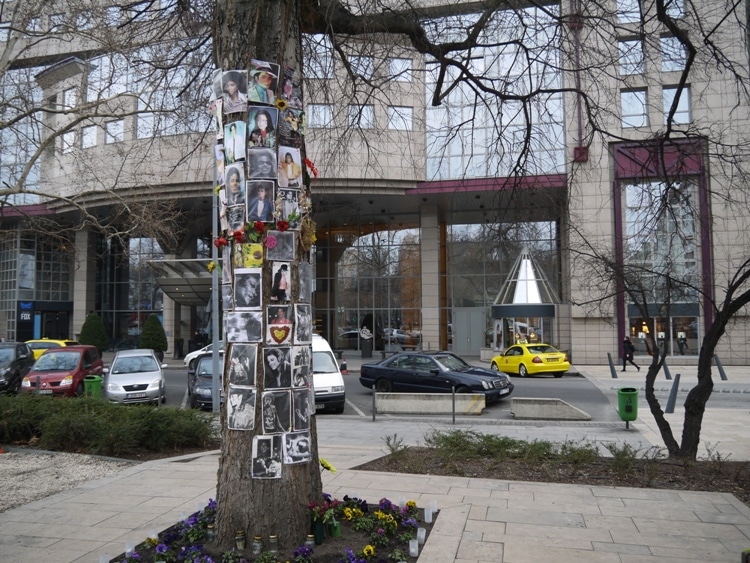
(250, 501)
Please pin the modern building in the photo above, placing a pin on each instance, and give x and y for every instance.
(422, 210)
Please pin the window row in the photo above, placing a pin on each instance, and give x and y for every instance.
(634, 106)
(632, 58)
(400, 118)
(318, 52)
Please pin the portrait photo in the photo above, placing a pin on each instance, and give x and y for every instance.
(304, 281)
(290, 167)
(219, 157)
(276, 411)
(234, 175)
(234, 88)
(264, 79)
(241, 408)
(279, 325)
(301, 408)
(262, 163)
(297, 447)
(262, 126)
(280, 288)
(236, 217)
(242, 359)
(277, 367)
(260, 196)
(227, 296)
(290, 206)
(301, 358)
(291, 128)
(302, 323)
(243, 327)
(247, 288)
(291, 87)
(283, 251)
(234, 141)
(226, 270)
(266, 457)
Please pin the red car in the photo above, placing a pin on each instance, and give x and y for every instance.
(61, 371)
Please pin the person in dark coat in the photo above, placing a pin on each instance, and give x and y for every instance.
(627, 353)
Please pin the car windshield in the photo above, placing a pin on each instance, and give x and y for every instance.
(453, 363)
(57, 361)
(43, 345)
(136, 364)
(6, 354)
(324, 362)
(204, 368)
(542, 349)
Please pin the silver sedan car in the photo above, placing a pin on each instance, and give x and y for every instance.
(136, 376)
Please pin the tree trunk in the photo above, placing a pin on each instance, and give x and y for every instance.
(266, 30)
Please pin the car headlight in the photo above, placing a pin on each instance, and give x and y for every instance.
(25, 382)
(67, 381)
(486, 384)
(203, 391)
(337, 389)
(114, 387)
(155, 384)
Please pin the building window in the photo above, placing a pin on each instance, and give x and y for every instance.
(88, 136)
(400, 118)
(69, 98)
(634, 110)
(56, 22)
(682, 115)
(631, 57)
(628, 11)
(675, 8)
(362, 116)
(34, 25)
(114, 132)
(318, 53)
(320, 115)
(362, 66)
(112, 16)
(84, 21)
(68, 142)
(673, 55)
(4, 31)
(400, 69)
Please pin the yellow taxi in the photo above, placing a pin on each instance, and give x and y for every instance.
(39, 346)
(531, 359)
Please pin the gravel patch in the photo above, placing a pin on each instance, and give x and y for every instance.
(31, 476)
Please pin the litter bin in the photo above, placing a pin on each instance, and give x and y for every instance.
(366, 347)
(92, 386)
(627, 399)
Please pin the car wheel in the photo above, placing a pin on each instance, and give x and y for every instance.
(558, 375)
(463, 389)
(338, 410)
(193, 402)
(522, 371)
(383, 386)
(495, 367)
(79, 390)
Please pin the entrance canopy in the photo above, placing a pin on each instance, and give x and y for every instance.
(186, 282)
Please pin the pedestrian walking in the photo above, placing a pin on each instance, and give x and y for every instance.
(627, 354)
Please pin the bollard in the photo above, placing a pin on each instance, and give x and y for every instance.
(673, 394)
(720, 367)
(612, 367)
(453, 395)
(666, 371)
(373, 402)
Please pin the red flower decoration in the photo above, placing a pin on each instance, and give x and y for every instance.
(282, 225)
(311, 167)
(238, 234)
(271, 241)
(221, 241)
(259, 227)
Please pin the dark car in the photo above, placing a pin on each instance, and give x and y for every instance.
(61, 371)
(434, 372)
(16, 359)
(200, 381)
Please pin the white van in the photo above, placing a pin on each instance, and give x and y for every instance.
(327, 379)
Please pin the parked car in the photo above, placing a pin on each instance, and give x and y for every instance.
(195, 353)
(434, 372)
(200, 381)
(16, 359)
(135, 376)
(407, 338)
(61, 371)
(328, 383)
(39, 346)
(531, 359)
(348, 339)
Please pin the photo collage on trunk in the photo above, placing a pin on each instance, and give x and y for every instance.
(260, 126)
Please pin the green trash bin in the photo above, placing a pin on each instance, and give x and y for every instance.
(627, 399)
(92, 386)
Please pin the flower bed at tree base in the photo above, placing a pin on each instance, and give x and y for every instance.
(359, 542)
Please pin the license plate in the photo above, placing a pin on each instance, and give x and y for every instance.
(318, 407)
(135, 395)
(503, 391)
(45, 391)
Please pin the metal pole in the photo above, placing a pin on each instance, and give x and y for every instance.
(612, 368)
(453, 394)
(720, 367)
(373, 403)
(673, 394)
(216, 374)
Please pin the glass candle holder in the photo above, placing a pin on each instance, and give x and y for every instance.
(257, 545)
(421, 535)
(239, 540)
(210, 532)
(273, 544)
(413, 548)
(428, 515)
(310, 541)
(433, 506)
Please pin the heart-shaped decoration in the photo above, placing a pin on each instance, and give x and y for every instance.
(280, 333)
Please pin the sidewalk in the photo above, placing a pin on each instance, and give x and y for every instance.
(480, 520)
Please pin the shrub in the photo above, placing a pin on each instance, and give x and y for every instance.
(153, 335)
(94, 333)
